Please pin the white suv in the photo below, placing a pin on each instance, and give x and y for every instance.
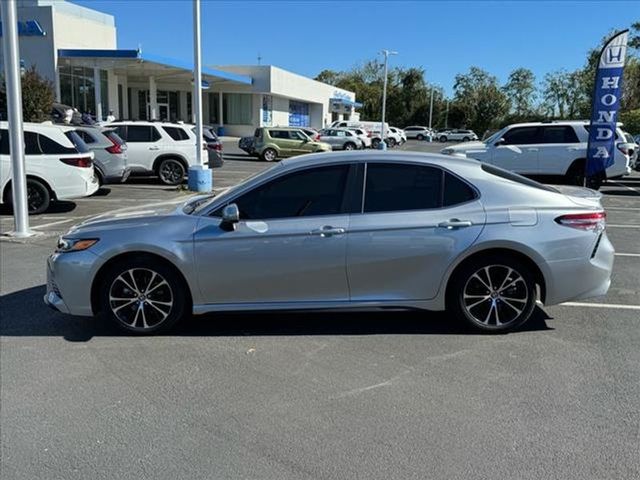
(59, 165)
(159, 148)
(457, 135)
(556, 148)
(417, 132)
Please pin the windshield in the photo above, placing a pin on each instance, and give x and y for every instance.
(494, 137)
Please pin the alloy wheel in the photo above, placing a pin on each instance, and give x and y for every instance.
(35, 198)
(140, 298)
(269, 155)
(495, 296)
(171, 172)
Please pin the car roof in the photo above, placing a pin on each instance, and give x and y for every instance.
(42, 127)
(554, 122)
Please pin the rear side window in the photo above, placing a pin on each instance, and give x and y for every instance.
(398, 187)
(177, 133)
(37, 144)
(514, 177)
(86, 137)
(559, 134)
(521, 136)
(4, 142)
(284, 134)
(72, 135)
(456, 191)
(140, 133)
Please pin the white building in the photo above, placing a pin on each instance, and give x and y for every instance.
(90, 73)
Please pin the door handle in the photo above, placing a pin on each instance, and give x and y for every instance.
(455, 223)
(154, 148)
(327, 231)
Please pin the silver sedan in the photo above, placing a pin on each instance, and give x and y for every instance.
(343, 230)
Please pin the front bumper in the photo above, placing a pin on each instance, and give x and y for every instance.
(69, 279)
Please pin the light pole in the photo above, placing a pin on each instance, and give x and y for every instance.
(383, 145)
(431, 106)
(446, 117)
(14, 111)
(200, 178)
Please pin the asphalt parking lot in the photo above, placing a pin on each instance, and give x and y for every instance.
(323, 395)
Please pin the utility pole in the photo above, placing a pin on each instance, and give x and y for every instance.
(14, 111)
(446, 117)
(386, 53)
(431, 106)
(200, 179)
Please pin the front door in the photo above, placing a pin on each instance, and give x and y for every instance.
(518, 151)
(289, 247)
(410, 232)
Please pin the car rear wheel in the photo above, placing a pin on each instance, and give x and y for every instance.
(420, 137)
(269, 155)
(443, 138)
(576, 173)
(142, 296)
(375, 143)
(466, 139)
(494, 293)
(38, 196)
(391, 142)
(349, 146)
(171, 171)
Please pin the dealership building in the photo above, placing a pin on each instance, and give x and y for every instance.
(91, 73)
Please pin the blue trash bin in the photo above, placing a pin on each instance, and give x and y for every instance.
(221, 131)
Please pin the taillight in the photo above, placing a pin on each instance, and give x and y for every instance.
(369, 134)
(625, 149)
(115, 148)
(82, 162)
(584, 221)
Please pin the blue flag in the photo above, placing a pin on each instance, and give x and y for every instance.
(606, 104)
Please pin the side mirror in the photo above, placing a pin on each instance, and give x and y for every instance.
(499, 142)
(230, 216)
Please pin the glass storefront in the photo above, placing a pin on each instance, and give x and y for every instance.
(77, 89)
(236, 108)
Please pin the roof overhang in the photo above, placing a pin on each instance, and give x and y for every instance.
(347, 102)
(133, 63)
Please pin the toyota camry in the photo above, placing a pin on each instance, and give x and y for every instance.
(364, 230)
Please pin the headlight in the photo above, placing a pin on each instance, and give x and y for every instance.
(74, 244)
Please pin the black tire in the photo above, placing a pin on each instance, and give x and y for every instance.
(269, 155)
(99, 177)
(484, 301)
(576, 173)
(171, 171)
(38, 196)
(420, 137)
(148, 304)
(466, 139)
(391, 142)
(349, 146)
(443, 139)
(375, 143)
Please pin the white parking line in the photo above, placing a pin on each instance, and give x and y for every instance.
(600, 305)
(626, 186)
(627, 255)
(44, 225)
(622, 226)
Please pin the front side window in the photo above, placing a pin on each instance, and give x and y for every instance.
(521, 136)
(393, 187)
(312, 192)
(140, 134)
(296, 135)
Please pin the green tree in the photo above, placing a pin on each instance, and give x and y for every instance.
(37, 97)
(521, 90)
(631, 121)
(478, 95)
(564, 94)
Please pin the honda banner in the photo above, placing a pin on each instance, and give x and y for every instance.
(606, 103)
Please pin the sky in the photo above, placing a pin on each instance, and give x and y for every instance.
(443, 37)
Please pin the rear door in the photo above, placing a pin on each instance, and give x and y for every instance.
(518, 151)
(416, 219)
(559, 147)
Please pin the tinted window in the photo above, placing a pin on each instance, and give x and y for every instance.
(279, 134)
(4, 142)
(32, 146)
(318, 191)
(393, 187)
(559, 134)
(521, 136)
(86, 137)
(72, 135)
(456, 191)
(296, 135)
(140, 133)
(178, 134)
(114, 137)
(514, 177)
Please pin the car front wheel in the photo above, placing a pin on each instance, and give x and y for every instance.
(443, 138)
(494, 293)
(420, 137)
(269, 155)
(349, 146)
(142, 296)
(171, 171)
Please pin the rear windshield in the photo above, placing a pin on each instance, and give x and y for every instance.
(514, 177)
(81, 147)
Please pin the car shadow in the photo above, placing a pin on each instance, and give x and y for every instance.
(24, 315)
(239, 157)
(621, 193)
(59, 206)
(102, 192)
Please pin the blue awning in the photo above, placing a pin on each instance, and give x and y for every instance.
(137, 55)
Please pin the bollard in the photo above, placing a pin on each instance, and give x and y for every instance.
(200, 179)
(382, 145)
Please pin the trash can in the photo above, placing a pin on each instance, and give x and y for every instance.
(221, 131)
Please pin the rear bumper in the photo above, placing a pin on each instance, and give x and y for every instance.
(83, 187)
(119, 177)
(582, 278)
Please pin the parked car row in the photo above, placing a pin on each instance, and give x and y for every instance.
(67, 161)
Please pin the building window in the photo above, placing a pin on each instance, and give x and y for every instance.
(237, 108)
(298, 114)
(189, 108)
(267, 110)
(213, 107)
(77, 88)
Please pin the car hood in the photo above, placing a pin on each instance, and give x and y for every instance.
(467, 146)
